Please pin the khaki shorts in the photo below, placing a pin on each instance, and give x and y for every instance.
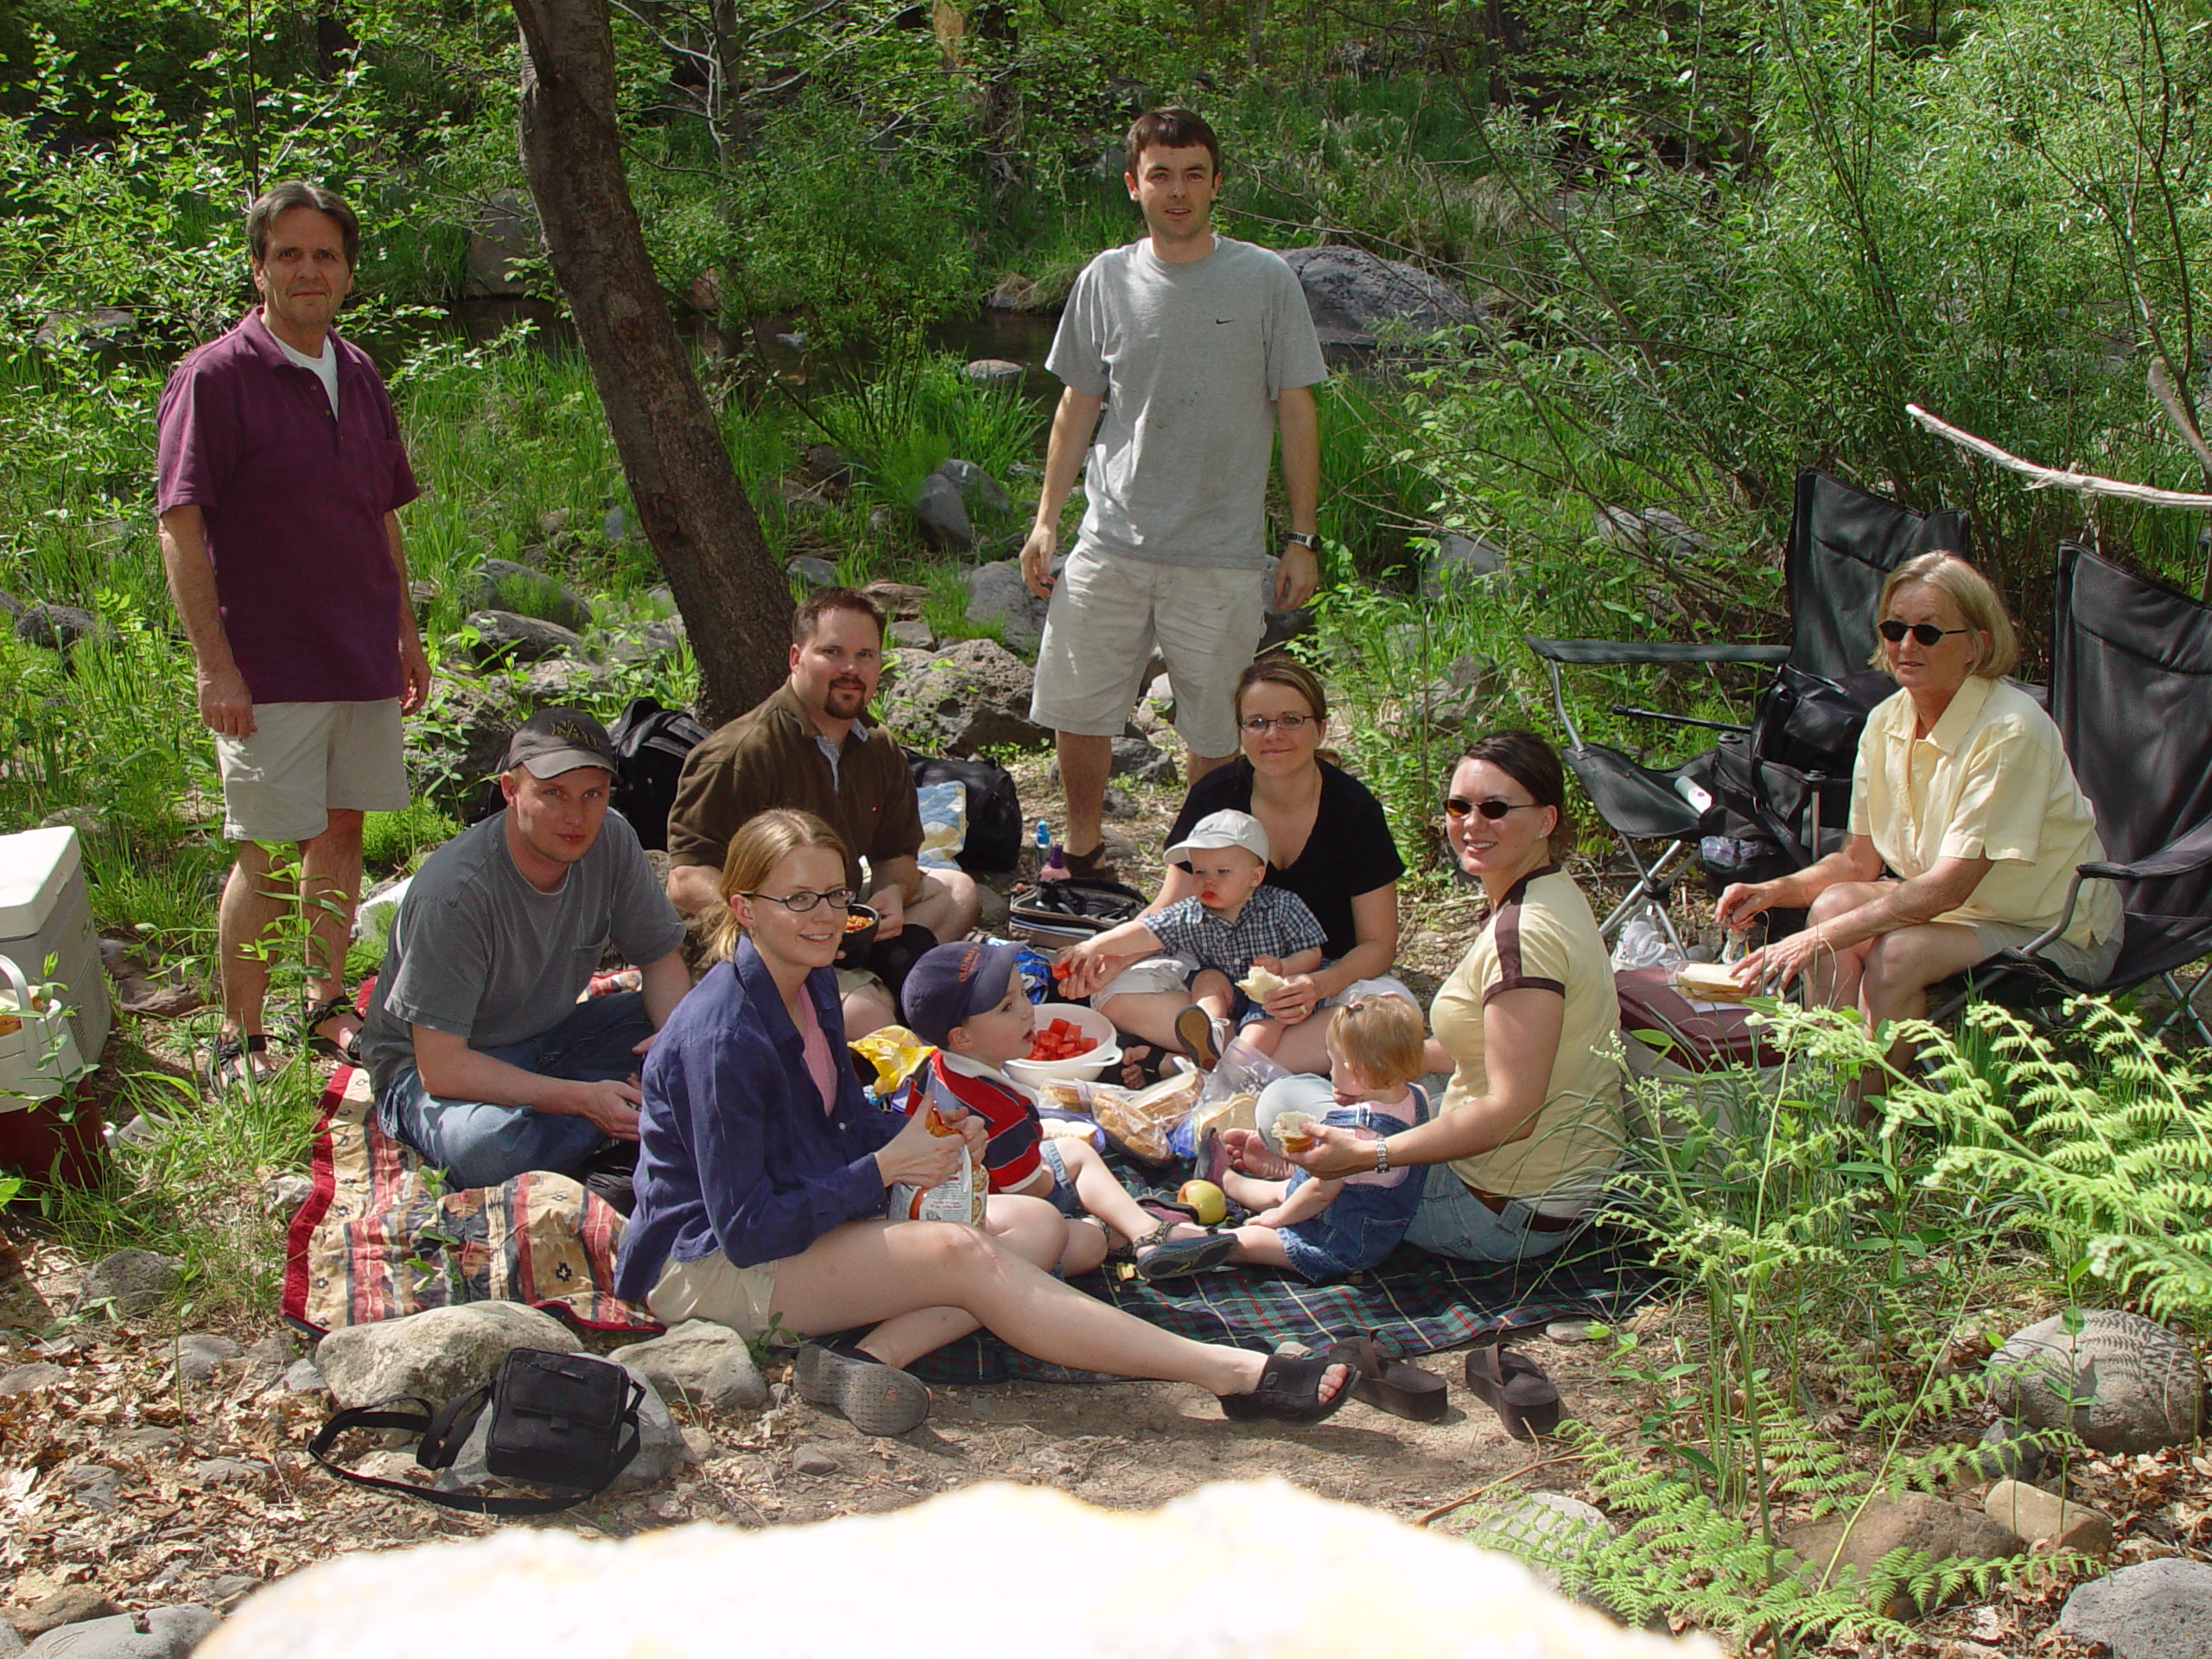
(305, 758)
(2085, 964)
(713, 1287)
(1106, 616)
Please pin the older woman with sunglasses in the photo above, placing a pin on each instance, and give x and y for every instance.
(1530, 1124)
(1963, 795)
(1329, 844)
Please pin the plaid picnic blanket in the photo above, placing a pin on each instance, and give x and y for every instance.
(375, 1240)
(1413, 1303)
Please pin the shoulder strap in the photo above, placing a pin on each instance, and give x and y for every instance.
(422, 1422)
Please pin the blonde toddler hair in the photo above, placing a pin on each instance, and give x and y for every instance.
(1381, 1037)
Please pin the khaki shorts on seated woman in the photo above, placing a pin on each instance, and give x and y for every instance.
(1966, 822)
(763, 1170)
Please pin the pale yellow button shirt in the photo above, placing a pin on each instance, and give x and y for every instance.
(1991, 780)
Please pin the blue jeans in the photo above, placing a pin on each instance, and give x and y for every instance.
(478, 1144)
(1452, 1221)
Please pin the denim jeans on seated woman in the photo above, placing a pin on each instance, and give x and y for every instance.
(479, 1144)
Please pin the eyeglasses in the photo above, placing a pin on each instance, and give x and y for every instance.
(1457, 806)
(802, 901)
(1287, 724)
(1927, 633)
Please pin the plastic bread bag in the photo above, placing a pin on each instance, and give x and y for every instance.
(1138, 1122)
(1227, 1100)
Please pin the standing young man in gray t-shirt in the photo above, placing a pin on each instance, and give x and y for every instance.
(1197, 348)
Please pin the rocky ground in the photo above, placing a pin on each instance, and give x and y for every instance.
(150, 1460)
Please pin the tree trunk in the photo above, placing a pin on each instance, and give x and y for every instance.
(702, 530)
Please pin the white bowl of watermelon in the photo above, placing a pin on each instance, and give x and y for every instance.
(1073, 1044)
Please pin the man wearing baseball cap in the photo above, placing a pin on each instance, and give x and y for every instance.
(480, 1056)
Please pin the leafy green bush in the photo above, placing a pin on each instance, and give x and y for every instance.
(391, 841)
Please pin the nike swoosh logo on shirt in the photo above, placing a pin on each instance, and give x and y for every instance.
(1219, 320)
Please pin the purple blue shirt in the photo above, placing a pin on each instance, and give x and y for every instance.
(735, 1152)
(293, 498)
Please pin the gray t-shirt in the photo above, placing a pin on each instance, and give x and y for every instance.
(478, 952)
(1189, 358)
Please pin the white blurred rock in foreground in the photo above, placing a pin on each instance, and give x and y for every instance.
(1233, 1570)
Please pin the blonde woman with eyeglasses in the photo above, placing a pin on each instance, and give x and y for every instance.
(1967, 823)
(1330, 845)
(763, 1171)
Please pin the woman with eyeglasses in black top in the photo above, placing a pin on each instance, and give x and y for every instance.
(1966, 823)
(1332, 847)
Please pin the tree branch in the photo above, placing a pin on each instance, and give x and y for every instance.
(2046, 477)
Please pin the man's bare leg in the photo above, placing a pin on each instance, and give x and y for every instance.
(1084, 763)
(947, 905)
(330, 887)
(253, 904)
(1196, 766)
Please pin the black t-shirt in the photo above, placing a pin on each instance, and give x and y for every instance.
(1350, 852)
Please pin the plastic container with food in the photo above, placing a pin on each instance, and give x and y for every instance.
(861, 921)
(1091, 1025)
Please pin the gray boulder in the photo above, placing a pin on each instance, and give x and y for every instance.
(199, 1353)
(1649, 531)
(997, 593)
(504, 230)
(434, 1355)
(1133, 757)
(994, 371)
(2123, 1382)
(813, 572)
(96, 325)
(59, 627)
(29, 1379)
(702, 1362)
(1459, 562)
(2155, 1610)
(301, 1377)
(129, 1282)
(646, 642)
(943, 515)
(1357, 298)
(72, 1604)
(170, 1633)
(502, 634)
(913, 635)
(967, 697)
(1549, 1532)
(826, 464)
(2009, 1451)
(978, 489)
(1939, 1530)
(502, 585)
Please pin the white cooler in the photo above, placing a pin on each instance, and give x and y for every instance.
(45, 912)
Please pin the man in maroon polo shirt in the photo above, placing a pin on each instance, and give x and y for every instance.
(279, 472)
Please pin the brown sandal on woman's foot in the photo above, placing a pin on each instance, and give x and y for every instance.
(1515, 1387)
(1092, 866)
(1290, 1390)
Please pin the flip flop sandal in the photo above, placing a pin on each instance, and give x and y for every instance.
(1290, 1390)
(316, 1013)
(1515, 1387)
(1194, 1030)
(1178, 1258)
(875, 1398)
(1392, 1385)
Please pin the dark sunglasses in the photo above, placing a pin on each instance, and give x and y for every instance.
(1927, 633)
(1457, 806)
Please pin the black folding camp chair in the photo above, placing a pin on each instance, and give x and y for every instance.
(1773, 796)
(2131, 690)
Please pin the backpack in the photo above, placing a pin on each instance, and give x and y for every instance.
(650, 744)
(995, 821)
(1053, 915)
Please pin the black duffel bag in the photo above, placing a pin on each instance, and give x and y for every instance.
(566, 1420)
(995, 821)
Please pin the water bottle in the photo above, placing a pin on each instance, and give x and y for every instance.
(1052, 864)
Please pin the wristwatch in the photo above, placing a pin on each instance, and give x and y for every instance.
(1305, 538)
(1382, 1156)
